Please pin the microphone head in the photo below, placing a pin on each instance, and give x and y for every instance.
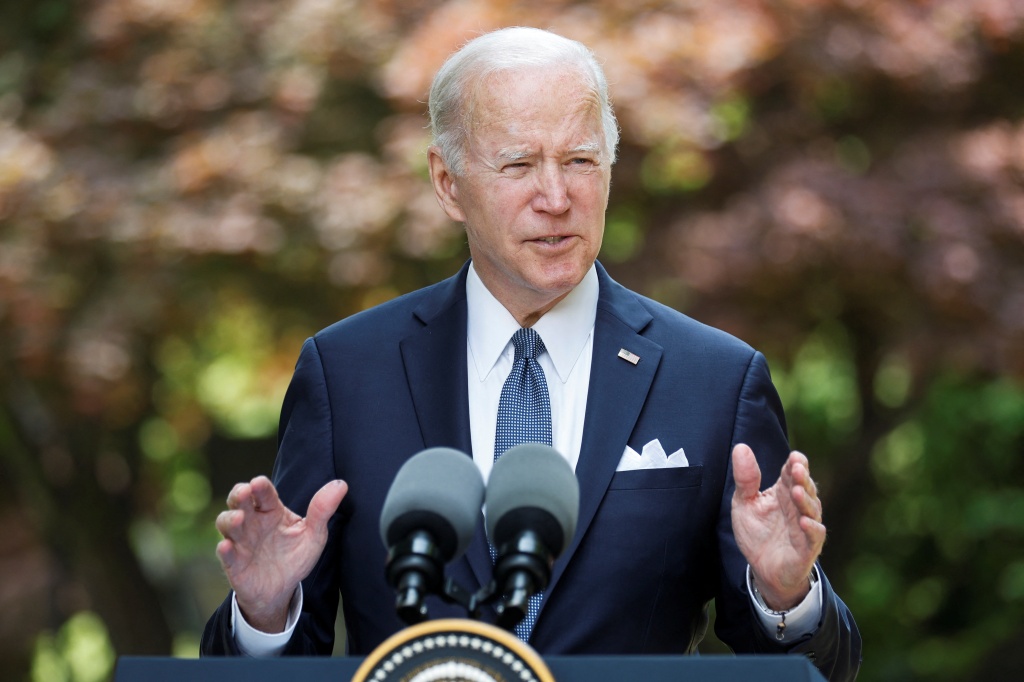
(532, 487)
(439, 490)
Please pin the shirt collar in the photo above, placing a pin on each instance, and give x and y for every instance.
(564, 329)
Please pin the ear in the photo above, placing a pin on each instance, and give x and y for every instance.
(445, 188)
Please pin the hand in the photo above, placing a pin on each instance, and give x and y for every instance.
(779, 530)
(267, 549)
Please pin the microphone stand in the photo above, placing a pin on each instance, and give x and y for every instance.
(415, 567)
(523, 568)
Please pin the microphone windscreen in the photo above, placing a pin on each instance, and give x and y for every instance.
(439, 490)
(532, 487)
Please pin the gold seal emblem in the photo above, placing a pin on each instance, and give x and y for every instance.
(453, 650)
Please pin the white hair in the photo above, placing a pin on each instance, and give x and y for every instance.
(505, 50)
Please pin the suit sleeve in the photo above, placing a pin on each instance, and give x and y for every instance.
(305, 462)
(218, 639)
(835, 647)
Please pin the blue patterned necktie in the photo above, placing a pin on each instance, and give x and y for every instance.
(524, 416)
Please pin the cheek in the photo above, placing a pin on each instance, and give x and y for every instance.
(486, 240)
(593, 205)
(592, 191)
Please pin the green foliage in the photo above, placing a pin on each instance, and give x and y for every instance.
(939, 567)
(79, 652)
(224, 369)
(731, 118)
(623, 235)
(820, 391)
(675, 168)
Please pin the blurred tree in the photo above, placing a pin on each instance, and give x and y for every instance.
(188, 189)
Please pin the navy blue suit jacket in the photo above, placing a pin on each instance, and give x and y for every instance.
(652, 548)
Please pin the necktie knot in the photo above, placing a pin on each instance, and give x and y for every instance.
(527, 343)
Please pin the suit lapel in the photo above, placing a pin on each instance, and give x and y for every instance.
(435, 367)
(617, 393)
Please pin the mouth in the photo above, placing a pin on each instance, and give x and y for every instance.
(551, 240)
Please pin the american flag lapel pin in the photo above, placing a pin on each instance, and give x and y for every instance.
(632, 358)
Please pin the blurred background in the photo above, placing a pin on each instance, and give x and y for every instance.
(190, 188)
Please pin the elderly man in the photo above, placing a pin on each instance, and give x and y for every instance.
(524, 141)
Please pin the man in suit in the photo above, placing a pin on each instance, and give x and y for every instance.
(524, 140)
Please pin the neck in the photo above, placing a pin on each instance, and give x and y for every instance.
(526, 316)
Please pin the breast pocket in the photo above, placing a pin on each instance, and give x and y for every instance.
(650, 534)
(658, 479)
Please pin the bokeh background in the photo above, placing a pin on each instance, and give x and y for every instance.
(189, 188)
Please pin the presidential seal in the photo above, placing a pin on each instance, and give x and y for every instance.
(453, 650)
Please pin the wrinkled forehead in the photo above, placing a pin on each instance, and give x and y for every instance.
(507, 99)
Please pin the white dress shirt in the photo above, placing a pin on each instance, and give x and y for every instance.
(568, 334)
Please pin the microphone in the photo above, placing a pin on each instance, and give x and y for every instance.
(532, 507)
(428, 519)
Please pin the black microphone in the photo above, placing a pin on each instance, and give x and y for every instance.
(428, 519)
(532, 505)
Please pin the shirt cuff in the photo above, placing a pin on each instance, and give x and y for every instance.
(789, 626)
(253, 642)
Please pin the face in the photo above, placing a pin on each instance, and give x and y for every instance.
(534, 189)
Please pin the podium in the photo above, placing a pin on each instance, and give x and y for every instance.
(563, 668)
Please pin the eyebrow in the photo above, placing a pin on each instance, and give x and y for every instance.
(512, 154)
(589, 148)
(520, 154)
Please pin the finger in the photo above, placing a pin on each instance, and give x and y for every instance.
(228, 523)
(806, 504)
(264, 494)
(787, 475)
(800, 471)
(796, 472)
(745, 472)
(240, 496)
(815, 533)
(325, 503)
(803, 490)
(226, 553)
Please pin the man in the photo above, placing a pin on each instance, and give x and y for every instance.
(524, 142)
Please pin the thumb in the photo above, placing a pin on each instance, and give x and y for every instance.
(325, 503)
(745, 472)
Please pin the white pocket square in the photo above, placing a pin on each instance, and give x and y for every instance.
(653, 457)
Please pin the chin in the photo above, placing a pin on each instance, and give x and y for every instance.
(565, 276)
(556, 286)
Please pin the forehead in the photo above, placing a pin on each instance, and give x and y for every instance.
(529, 106)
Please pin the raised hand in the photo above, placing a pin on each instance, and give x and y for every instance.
(268, 549)
(779, 530)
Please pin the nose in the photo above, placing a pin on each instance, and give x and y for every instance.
(552, 190)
